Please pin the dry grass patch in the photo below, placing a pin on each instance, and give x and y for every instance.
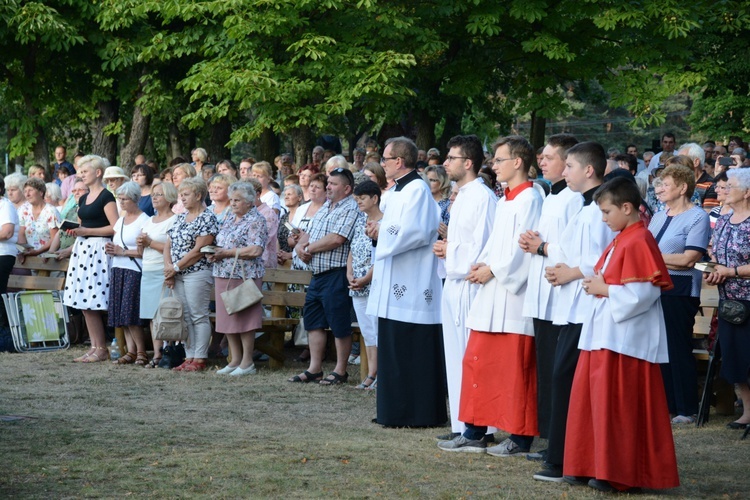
(100, 430)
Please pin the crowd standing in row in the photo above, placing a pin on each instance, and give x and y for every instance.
(547, 303)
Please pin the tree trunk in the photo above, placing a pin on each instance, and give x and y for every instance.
(174, 143)
(425, 131)
(41, 150)
(452, 128)
(136, 140)
(536, 135)
(302, 142)
(221, 133)
(103, 144)
(387, 131)
(268, 146)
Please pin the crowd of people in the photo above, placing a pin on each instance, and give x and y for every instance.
(545, 293)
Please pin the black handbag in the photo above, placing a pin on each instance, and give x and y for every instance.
(733, 311)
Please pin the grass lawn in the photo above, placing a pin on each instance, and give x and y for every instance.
(98, 430)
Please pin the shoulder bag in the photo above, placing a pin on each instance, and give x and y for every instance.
(243, 296)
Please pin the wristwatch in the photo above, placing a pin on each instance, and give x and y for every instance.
(176, 268)
(540, 249)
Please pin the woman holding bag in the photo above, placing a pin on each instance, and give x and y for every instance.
(242, 238)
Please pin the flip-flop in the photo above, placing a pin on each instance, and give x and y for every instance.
(309, 377)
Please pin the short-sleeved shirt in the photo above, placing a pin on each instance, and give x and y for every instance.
(38, 230)
(732, 249)
(249, 230)
(93, 215)
(689, 230)
(9, 215)
(361, 248)
(272, 200)
(153, 260)
(125, 236)
(183, 235)
(338, 218)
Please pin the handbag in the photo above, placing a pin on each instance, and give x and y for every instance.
(733, 311)
(242, 296)
(169, 323)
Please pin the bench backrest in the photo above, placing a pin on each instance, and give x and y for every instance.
(42, 281)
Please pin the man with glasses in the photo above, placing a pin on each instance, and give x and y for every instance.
(472, 218)
(405, 296)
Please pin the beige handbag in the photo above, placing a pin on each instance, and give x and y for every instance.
(243, 296)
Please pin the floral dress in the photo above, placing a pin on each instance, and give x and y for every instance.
(731, 248)
(250, 230)
(38, 229)
(361, 248)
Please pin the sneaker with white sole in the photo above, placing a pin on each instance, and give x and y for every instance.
(460, 443)
(550, 473)
(506, 449)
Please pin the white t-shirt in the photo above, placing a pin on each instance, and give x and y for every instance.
(272, 200)
(9, 215)
(157, 231)
(125, 235)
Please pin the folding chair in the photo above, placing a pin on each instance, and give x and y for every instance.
(38, 320)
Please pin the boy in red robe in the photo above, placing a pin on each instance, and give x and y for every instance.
(619, 436)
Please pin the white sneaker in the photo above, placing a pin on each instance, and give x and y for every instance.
(238, 372)
(226, 370)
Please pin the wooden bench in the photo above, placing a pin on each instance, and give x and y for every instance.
(42, 280)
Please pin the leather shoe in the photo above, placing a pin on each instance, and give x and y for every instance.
(736, 425)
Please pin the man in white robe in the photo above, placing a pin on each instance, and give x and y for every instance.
(405, 295)
(558, 208)
(472, 218)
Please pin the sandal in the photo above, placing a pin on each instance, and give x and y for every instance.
(184, 365)
(309, 377)
(96, 358)
(141, 358)
(154, 363)
(126, 359)
(81, 359)
(195, 366)
(334, 378)
(366, 386)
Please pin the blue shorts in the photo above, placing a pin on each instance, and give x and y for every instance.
(327, 303)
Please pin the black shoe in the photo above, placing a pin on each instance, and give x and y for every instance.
(540, 455)
(603, 486)
(576, 480)
(448, 437)
(736, 426)
(550, 472)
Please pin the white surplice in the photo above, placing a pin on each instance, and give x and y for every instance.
(405, 284)
(557, 211)
(498, 305)
(472, 219)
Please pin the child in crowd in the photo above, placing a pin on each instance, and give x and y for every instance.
(618, 434)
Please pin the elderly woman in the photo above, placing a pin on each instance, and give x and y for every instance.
(720, 183)
(87, 280)
(335, 162)
(14, 189)
(8, 250)
(242, 238)
(62, 243)
(199, 157)
(440, 187)
(731, 249)
(218, 191)
(144, 177)
(38, 220)
(263, 173)
(292, 200)
(114, 177)
(682, 231)
(359, 274)
(181, 172)
(152, 240)
(125, 275)
(53, 196)
(188, 271)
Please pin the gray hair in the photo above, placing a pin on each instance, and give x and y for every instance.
(130, 190)
(693, 150)
(742, 175)
(296, 189)
(54, 192)
(196, 185)
(337, 161)
(201, 154)
(15, 180)
(740, 152)
(244, 189)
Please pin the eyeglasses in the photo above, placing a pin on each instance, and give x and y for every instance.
(451, 158)
(384, 159)
(157, 195)
(434, 180)
(498, 161)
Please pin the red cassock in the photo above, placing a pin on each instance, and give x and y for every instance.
(498, 385)
(618, 421)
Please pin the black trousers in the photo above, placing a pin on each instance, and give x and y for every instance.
(680, 374)
(545, 340)
(566, 360)
(6, 266)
